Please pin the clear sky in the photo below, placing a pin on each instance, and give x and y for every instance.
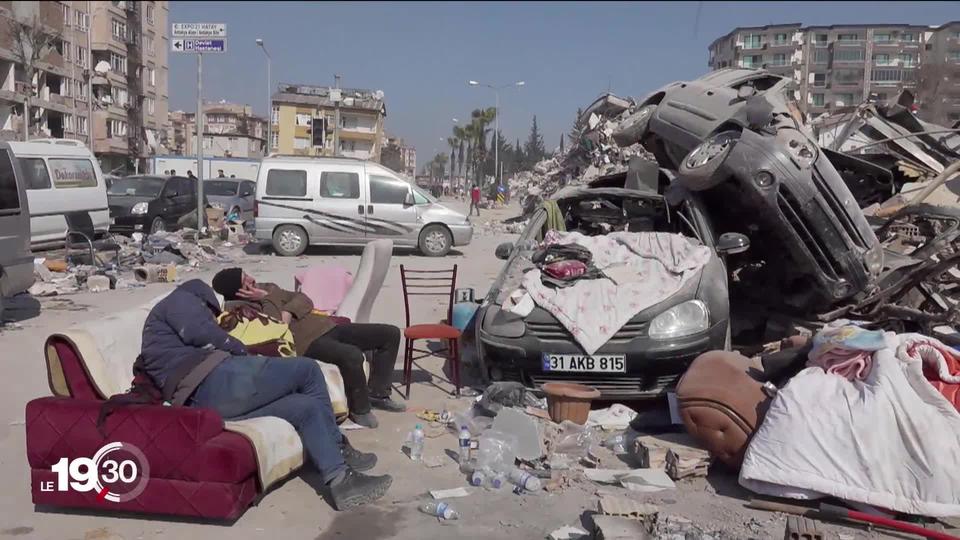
(422, 54)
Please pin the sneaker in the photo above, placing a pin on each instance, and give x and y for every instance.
(356, 489)
(365, 420)
(387, 404)
(357, 460)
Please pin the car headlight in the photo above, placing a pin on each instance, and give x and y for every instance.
(139, 209)
(681, 320)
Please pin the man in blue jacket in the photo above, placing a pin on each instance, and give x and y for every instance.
(194, 362)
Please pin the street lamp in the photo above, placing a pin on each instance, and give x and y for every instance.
(269, 142)
(496, 118)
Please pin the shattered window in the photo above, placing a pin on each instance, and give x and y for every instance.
(287, 183)
(9, 197)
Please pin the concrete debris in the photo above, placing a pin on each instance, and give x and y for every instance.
(525, 428)
(618, 528)
(613, 505)
(568, 533)
(639, 480)
(98, 283)
(614, 417)
(676, 453)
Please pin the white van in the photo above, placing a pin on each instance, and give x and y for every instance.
(61, 176)
(305, 201)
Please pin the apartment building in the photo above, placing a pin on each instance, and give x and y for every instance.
(844, 65)
(229, 130)
(940, 76)
(299, 110)
(398, 156)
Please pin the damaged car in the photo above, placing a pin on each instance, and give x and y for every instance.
(647, 355)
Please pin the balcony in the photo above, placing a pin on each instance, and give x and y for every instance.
(849, 43)
(358, 154)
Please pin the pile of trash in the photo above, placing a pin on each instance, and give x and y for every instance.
(595, 154)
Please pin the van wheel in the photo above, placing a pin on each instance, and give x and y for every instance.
(290, 240)
(157, 226)
(435, 241)
(700, 169)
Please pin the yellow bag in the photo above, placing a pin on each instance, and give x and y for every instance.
(262, 335)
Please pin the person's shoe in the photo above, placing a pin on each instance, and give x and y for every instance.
(387, 404)
(365, 420)
(356, 489)
(357, 460)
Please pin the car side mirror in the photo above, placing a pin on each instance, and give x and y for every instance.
(731, 243)
(504, 251)
(408, 199)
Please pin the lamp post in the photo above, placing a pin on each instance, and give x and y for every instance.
(496, 119)
(269, 142)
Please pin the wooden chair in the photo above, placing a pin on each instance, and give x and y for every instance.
(437, 283)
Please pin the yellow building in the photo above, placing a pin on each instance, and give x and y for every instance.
(298, 110)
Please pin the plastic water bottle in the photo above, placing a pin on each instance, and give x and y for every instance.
(464, 444)
(617, 443)
(524, 480)
(478, 478)
(498, 481)
(439, 509)
(416, 443)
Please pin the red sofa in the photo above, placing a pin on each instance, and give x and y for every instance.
(197, 469)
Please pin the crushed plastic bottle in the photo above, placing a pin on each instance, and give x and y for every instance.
(439, 509)
(464, 440)
(524, 480)
(416, 443)
(478, 478)
(616, 443)
(498, 480)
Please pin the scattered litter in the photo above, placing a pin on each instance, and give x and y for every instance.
(98, 283)
(508, 394)
(450, 493)
(615, 417)
(677, 453)
(568, 533)
(524, 428)
(440, 510)
(640, 480)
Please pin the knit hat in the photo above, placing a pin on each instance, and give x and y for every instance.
(227, 282)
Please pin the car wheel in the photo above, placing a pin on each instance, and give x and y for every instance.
(631, 130)
(290, 240)
(698, 170)
(157, 226)
(435, 241)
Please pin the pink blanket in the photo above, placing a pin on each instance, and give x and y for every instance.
(326, 285)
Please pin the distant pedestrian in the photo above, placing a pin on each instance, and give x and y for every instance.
(173, 172)
(166, 173)
(474, 200)
(190, 175)
(220, 174)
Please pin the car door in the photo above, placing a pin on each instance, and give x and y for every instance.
(247, 190)
(340, 207)
(389, 212)
(171, 202)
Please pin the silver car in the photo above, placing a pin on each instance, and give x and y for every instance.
(233, 195)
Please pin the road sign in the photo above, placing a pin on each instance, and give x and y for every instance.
(192, 45)
(198, 30)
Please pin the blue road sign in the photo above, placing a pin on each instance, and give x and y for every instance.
(194, 45)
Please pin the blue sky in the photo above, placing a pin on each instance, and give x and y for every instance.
(422, 54)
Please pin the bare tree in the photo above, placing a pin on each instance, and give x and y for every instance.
(31, 43)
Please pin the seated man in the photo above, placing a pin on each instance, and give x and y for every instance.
(318, 336)
(194, 362)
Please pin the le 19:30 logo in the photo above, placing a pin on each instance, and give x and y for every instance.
(118, 472)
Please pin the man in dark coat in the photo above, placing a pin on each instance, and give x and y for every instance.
(196, 363)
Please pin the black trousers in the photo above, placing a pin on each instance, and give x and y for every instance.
(344, 345)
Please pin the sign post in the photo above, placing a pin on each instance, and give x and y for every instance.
(199, 38)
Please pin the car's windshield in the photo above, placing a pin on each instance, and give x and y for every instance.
(221, 188)
(422, 197)
(136, 186)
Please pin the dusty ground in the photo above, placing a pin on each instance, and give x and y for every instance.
(294, 509)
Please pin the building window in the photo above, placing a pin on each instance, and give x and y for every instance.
(340, 185)
(780, 39)
(119, 29)
(79, 89)
(844, 100)
(753, 61)
(66, 87)
(752, 41)
(150, 13)
(275, 115)
(907, 60)
(848, 37)
(881, 59)
(847, 76)
(148, 44)
(82, 125)
(68, 122)
(82, 56)
(848, 55)
(886, 75)
(286, 183)
(908, 36)
(820, 79)
(65, 48)
(821, 40)
(116, 128)
(821, 56)
(118, 63)
(207, 143)
(81, 20)
(274, 140)
(882, 38)
(780, 59)
(304, 119)
(119, 96)
(151, 105)
(817, 100)
(301, 143)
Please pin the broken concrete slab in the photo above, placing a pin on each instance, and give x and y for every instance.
(618, 528)
(98, 283)
(525, 428)
(615, 505)
(640, 480)
(650, 451)
(568, 533)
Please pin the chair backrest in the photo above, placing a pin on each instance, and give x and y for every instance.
(441, 283)
(80, 222)
(372, 271)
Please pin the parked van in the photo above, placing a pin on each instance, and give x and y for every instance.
(16, 261)
(343, 201)
(61, 176)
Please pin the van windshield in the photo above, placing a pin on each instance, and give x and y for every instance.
(136, 186)
(221, 188)
(422, 197)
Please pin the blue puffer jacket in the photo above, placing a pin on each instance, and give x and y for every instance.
(180, 331)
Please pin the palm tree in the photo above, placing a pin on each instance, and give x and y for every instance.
(469, 135)
(481, 120)
(454, 143)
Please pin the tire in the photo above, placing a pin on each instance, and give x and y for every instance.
(290, 240)
(157, 225)
(435, 241)
(632, 130)
(699, 169)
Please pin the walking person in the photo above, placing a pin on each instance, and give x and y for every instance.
(474, 200)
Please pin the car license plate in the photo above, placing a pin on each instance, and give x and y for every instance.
(611, 363)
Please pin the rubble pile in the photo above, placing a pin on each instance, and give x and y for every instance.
(594, 155)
